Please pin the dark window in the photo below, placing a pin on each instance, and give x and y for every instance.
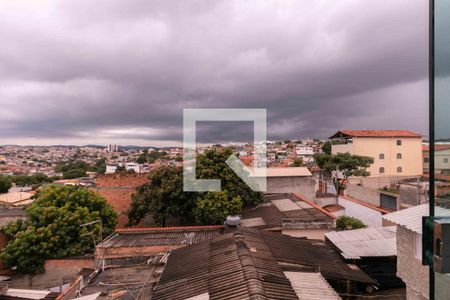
(381, 156)
(399, 169)
(399, 156)
(426, 159)
(399, 142)
(381, 170)
(445, 160)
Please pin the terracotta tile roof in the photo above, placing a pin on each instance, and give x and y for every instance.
(436, 147)
(376, 133)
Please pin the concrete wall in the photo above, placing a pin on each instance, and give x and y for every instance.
(369, 216)
(367, 195)
(442, 289)
(342, 148)
(117, 189)
(409, 267)
(57, 272)
(302, 185)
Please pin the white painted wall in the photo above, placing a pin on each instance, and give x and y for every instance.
(370, 217)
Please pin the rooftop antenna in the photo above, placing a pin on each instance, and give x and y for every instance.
(92, 233)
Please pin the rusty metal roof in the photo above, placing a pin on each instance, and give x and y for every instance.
(144, 237)
(246, 264)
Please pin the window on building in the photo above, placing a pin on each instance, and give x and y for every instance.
(381, 156)
(426, 160)
(399, 169)
(381, 170)
(399, 142)
(418, 245)
(399, 156)
(445, 160)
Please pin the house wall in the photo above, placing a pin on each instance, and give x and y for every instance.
(342, 148)
(441, 166)
(369, 216)
(411, 150)
(304, 185)
(409, 267)
(57, 272)
(117, 189)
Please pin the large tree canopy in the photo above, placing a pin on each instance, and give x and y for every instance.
(52, 228)
(163, 197)
(339, 167)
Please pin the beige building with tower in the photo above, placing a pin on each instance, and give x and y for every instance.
(395, 152)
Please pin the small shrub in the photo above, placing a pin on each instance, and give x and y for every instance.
(349, 223)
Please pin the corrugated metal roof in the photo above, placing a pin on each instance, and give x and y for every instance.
(411, 218)
(311, 286)
(366, 242)
(145, 237)
(285, 210)
(26, 294)
(249, 264)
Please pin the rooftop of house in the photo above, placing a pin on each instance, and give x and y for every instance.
(284, 172)
(411, 218)
(16, 198)
(365, 242)
(125, 282)
(160, 236)
(286, 211)
(375, 133)
(426, 148)
(248, 263)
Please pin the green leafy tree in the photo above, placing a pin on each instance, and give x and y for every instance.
(74, 173)
(35, 179)
(297, 162)
(213, 208)
(52, 228)
(164, 198)
(349, 223)
(5, 184)
(339, 167)
(326, 147)
(99, 166)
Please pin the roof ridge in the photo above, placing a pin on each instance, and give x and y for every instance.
(251, 274)
(173, 228)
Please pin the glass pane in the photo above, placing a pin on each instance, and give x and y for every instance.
(442, 125)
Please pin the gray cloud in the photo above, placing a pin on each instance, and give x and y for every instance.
(84, 71)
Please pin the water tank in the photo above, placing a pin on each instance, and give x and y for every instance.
(233, 221)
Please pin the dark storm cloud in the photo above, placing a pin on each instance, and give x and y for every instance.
(105, 70)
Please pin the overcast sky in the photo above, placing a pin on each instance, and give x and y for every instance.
(114, 71)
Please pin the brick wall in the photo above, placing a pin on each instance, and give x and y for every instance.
(57, 272)
(409, 267)
(117, 189)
